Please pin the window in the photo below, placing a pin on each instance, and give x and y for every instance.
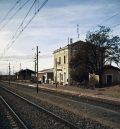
(64, 59)
(59, 60)
(55, 61)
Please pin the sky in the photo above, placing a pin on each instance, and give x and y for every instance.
(50, 28)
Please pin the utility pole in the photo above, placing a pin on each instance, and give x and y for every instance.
(13, 70)
(9, 74)
(57, 63)
(20, 66)
(56, 74)
(37, 67)
(13, 75)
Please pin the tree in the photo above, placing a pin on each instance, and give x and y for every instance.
(105, 49)
(100, 48)
(81, 62)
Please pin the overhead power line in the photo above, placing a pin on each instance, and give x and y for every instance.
(111, 17)
(10, 10)
(22, 27)
(25, 57)
(114, 26)
(20, 8)
(107, 19)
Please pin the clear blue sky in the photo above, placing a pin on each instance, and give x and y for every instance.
(51, 28)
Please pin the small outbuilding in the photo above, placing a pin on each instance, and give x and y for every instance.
(45, 76)
(7, 77)
(25, 74)
(111, 75)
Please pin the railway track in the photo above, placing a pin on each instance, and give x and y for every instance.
(98, 102)
(106, 115)
(11, 119)
(50, 120)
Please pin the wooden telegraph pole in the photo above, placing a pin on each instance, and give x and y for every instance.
(56, 74)
(9, 74)
(37, 66)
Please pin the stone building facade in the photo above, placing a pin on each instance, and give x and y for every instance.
(61, 65)
(62, 58)
(46, 76)
(111, 75)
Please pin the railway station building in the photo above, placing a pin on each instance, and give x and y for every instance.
(62, 70)
(62, 58)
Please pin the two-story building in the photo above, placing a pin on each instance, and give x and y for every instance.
(63, 72)
(62, 58)
(61, 65)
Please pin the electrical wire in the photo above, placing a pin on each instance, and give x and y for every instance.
(27, 23)
(109, 18)
(10, 10)
(21, 28)
(25, 57)
(114, 26)
(24, 18)
(20, 8)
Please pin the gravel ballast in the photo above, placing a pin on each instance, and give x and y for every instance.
(80, 121)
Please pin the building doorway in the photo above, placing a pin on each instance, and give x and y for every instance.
(109, 80)
(43, 78)
(64, 78)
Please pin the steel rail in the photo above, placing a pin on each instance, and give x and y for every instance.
(90, 101)
(69, 124)
(13, 113)
(97, 103)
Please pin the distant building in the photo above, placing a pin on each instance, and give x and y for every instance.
(7, 77)
(45, 76)
(111, 75)
(25, 74)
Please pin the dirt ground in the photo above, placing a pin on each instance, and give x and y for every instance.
(112, 92)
